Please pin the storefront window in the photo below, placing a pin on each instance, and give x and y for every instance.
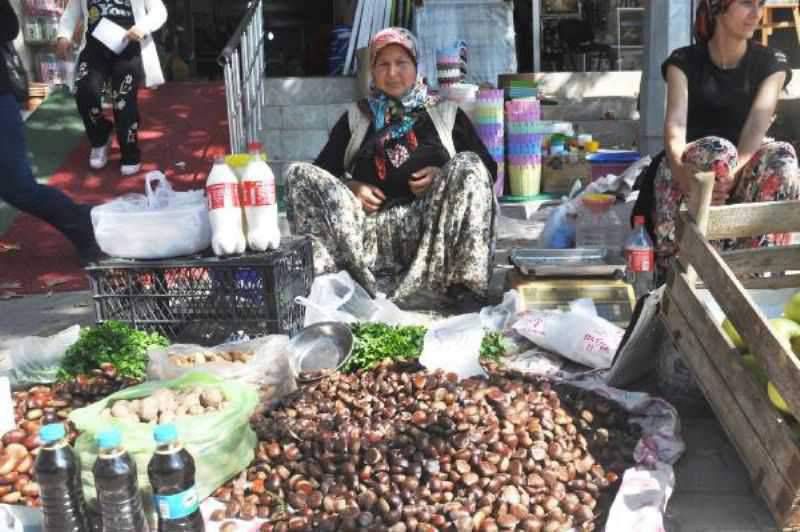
(581, 35)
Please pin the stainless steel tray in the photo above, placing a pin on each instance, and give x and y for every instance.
(581, 262)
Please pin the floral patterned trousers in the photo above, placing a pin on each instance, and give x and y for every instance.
(441, 241)
(96, 65)
(770, 175)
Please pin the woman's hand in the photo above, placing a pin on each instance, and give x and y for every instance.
(421, 180)
(371, 197)
(682, 178)
(62, 47)
(723, 188)
(135, 34)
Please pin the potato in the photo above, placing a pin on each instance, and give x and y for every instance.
(149, 409)
(211, 397)
(166, 417)
(165, 400)
(196, 410)
(120, 409)
(135, 406)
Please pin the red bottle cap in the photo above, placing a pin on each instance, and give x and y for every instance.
(638, 220)
(254, 147)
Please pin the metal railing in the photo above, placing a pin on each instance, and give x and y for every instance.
(243, 62)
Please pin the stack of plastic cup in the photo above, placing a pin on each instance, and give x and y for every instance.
(489, 121)
(448, 67)
(524, 146)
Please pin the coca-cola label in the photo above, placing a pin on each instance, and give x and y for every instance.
(640, 260)
(223, 195)
(257, 194)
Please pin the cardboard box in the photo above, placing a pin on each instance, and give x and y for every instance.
(558, 174)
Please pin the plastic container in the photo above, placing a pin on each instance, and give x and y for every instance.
(118, 497)
(259, 203)
(598, 225)
(171, 472)
(615, 162)
(640, 258)
(225, 210)
(203, 300)
(57, 472)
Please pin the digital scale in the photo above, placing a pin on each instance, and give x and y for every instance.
(548, 279)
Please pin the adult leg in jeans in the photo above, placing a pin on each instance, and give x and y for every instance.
(126, 74)
(19, 188)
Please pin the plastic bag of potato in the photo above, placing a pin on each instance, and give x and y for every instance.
(260, 362)
(220, 438)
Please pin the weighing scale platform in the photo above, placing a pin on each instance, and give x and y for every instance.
(613, 299)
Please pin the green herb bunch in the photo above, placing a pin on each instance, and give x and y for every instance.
(376, 342)
(493, 346)
(110, 342)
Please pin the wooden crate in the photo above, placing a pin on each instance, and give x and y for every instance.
(760, 434)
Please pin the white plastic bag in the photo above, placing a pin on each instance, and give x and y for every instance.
(578, 335)
(337, 297)
(501, 317)
(159, 224)
(36, 359)
(269, 365)
(454, 345)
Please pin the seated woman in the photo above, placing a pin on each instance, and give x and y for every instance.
(721, 97)
(402, 191)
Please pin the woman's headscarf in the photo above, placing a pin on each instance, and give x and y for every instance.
(398, 114)
(705, 18)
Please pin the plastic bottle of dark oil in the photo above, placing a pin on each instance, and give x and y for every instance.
(57, 472)
(171, 471)
(118, 495)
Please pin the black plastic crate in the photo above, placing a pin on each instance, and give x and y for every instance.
(204, 299)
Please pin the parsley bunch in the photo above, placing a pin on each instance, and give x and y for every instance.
(376, 342)
(110, 342)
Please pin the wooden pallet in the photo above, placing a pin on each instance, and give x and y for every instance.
(760, 434)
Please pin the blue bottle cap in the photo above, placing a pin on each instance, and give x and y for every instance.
(52, 433)
(166, 433)
(108, 439)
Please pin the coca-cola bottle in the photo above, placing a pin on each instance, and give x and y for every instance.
(640, 258)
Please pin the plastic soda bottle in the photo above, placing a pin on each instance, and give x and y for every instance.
(58, 473)
(259, 201)
(118, 495)
(171, 472)
(640, 258)
(224, 210)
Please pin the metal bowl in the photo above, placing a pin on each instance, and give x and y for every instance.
(319, 350)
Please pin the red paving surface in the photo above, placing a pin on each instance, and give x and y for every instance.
(181, 123)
